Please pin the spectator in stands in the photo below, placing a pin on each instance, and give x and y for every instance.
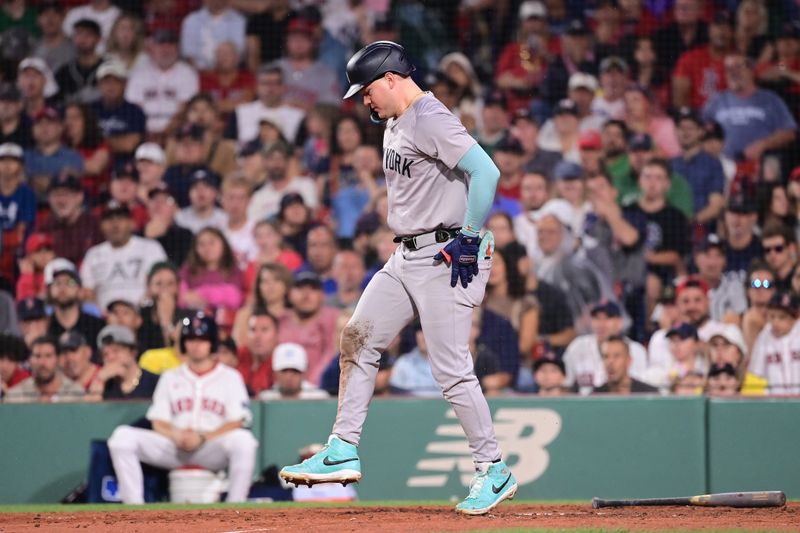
(780, 253)
(687, 31)
(723, 381)
(271, 249)
(75, 358)
(289, 365)
(38, 253)
(238, 229)
(308, 81)
(590, 144)
(150, 162)
(321, 249)
(47, 383)
(617, 360)
(494, 347)
(32, 317)
(217, 153)
(54, 47)
(63, 294)
(202, 31)
(190, 158)
(160, 311)
(77, 79)
(348, 272)
(774, 355)
(125, 313)
(781, 72)
(37, 85)
(266, 33)
(255, 357)
(411, 374)
(507, 157)
(270, 105)
(525, 129)
(576, 57)
(102, 12)
(700, 73)
(566, 128)
(687, 353)
(549, 374)
(582, 88)
(13, 353)
(534, 193)
(760, 287)
(162, 84)
(614, 78)
(82, 134)
(569, 184)
(294, 222)
(17, 207)
(225, 82)
(269, 285)
(726, 291)
(739, 222)
(353, 184)
(49, 157)
(125, 43)
(755, 120)
(582, 360)
(502, 228)
(310, 323)
(752, 22)
(118, 267)
(727, 348)
(266, 201)
(210, 277)
(161, 226)
(641, 117)
(703, 171)
(15, 126)
(467, 88)
(120, 377)
(202, 211)
(647, 70)
(123, 188)
(122, 122)
(494, 121)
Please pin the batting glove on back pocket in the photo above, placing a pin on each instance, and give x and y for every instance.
(462, 255)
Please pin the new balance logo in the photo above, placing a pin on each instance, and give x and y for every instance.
(523, 434)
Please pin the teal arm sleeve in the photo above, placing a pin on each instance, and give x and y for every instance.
(483, 182)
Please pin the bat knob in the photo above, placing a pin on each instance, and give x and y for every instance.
(595, 503)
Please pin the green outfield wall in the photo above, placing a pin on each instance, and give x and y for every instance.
(571, 448)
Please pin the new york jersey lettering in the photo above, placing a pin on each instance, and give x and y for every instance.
(393, 161)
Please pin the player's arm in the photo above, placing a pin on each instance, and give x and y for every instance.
(484, 176)
(224, 428)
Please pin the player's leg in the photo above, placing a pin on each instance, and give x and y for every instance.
(129, 447)
(446, 317)
(382, 311)
(235, 450)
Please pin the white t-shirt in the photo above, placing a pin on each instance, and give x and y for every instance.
(188, 218)
(201, 403)
(608, 110)
(120, 273)
(242, 242)
(584, 364)
(161, 93)
(249, 115)
(660, 362)
(266, 201)
(105, 19)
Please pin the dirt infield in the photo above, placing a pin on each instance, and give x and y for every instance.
(402, 519)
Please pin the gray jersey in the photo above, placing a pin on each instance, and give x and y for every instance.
(421, 149)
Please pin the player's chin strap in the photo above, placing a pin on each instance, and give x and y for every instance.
(376, 118)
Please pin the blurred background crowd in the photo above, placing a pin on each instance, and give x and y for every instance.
(168, 157)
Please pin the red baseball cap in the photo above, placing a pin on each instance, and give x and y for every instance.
(301, 25)
(37, 241)
(590, 140)
(795, 175)
(691, 281)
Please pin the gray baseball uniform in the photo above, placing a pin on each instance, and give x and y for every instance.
(421, 150)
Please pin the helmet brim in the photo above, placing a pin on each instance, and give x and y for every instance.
(353, 90)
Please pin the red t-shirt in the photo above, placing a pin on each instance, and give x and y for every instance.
(209, 83)
(19, 375)
(706, 74)
(533, 70)
(257, 380)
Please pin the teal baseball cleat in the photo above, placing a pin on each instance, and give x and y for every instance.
(337, 462)
(488, 488)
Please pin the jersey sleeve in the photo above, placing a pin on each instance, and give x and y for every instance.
(238, 408)
(441, 135)
(160, 409)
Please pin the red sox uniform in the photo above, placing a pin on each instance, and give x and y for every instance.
(202, 403)
(426, 191)
(777, 359)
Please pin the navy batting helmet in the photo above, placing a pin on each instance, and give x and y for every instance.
(373, 61)
(199, 326)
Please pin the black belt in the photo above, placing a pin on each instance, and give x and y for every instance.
(415, 242)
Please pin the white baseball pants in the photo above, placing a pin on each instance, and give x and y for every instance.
(131, 446)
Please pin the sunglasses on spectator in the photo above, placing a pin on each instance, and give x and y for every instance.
(758, 283)
(778, 248)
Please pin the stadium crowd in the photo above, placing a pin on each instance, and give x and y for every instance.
(160, 159)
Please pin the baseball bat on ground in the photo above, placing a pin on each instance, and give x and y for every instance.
(723, 499)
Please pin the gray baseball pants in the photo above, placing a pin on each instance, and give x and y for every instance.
(410, 284)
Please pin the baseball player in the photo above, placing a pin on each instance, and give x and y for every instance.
(199, 413)
(441, 185)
